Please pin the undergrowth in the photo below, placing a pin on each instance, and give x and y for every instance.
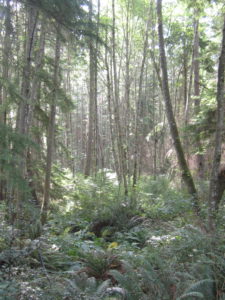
(97, 245)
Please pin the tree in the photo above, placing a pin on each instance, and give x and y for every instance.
(51, 128)
(24, 106)
(214, 180)
(120, 142)
(7, 44)
(92, 124)
(186, 174)
(139, 109)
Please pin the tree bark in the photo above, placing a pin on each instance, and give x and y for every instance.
(111, 123)
(186, 174)
(120, 140)
(92, 102)
(34, 97)
(197, 100)
(139, 117)
(7, 43)
(214, 180)
(51, 130)
(23, 109)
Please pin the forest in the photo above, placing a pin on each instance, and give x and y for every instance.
(112, 149)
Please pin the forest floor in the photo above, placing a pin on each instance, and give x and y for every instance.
(101, 251)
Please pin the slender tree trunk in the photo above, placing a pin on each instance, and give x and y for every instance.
(185, 74)
(199, 156)
(186, 174)
(214, 181)
(23, 110)
(51, 130)
(127, 89)
(154, 124)
(189, 90)
(97, 140)
(35, 87)
(111, 123)
(120, 141)
(139, 117)
(92, 102)
(7, 42)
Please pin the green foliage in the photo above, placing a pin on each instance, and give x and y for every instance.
(101, 198)
(136, 8)
(67, 13)
(203, 289)
(8, 289)
(84, 287)
(161, 201)
(192, 295)
(12, 150)
(135, 257)
(130, 282)
(137, 236)
(97, 263)
(144, 281)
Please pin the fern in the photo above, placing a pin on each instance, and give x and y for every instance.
(130, 281)
(87, 287)
(192, 294)
(203, 289)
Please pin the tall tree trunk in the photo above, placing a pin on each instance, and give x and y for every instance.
(139, 117)
(214, 181)
(51, 129)
(7, 42)
(186, 174)
(111, 123)
(199, 156)
(35, 87)
(127, 117)
(98, 151)
(92, 102)
(23, 109)
(120, 141)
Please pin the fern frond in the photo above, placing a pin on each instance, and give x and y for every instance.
(200, 284)
(73, 285)
(203, 289)
(102, 288)
(192, 294)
